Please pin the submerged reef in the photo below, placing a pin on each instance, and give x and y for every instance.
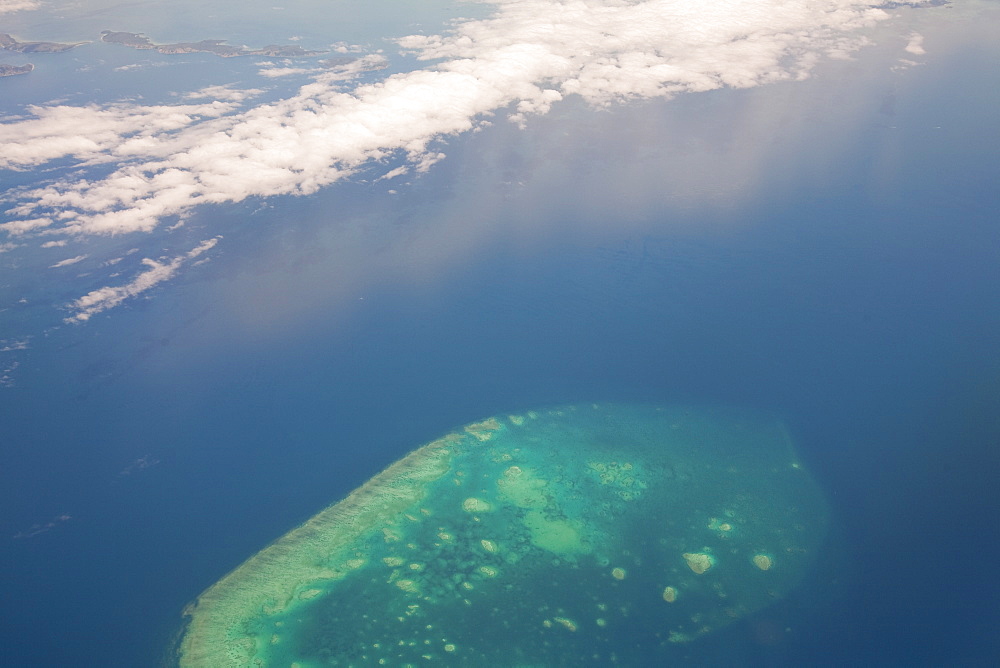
(535, 539)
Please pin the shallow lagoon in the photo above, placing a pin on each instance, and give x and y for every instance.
(592, 534)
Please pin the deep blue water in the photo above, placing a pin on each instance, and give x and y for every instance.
(862, 306)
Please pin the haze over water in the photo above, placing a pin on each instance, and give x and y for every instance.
(822, 250)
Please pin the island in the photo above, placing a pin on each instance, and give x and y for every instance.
(14, 70)
(339, 61)
(216, 46)
(9, 43)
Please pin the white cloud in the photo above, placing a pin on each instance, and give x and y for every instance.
(18, 227)
(55, 244)
(275, 72)
(224, 93)
(332, 71)
(393, 173)
(157, 271)
(7, 376)
(8, 345)
(96, 134)
(68, 261)
(9, 6)
(527, 56)
(916, 45)
(352, 67)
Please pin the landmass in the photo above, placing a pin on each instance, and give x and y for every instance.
(216, 46)
(11, 44)
(14, 70)
(339, 61)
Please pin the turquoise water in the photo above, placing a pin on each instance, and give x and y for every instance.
(588, 534)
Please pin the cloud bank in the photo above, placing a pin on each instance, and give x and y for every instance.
(527, 56)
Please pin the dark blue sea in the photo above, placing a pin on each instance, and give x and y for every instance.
(841, 274)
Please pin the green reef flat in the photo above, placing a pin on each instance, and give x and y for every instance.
(591, 534)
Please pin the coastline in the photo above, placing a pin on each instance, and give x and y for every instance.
(216, 46)
(14, 70)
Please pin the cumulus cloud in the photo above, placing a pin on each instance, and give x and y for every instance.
(18, 227)
(156, 272)
(916, 44)
(527, 56)
(94, 133)
(10, 6)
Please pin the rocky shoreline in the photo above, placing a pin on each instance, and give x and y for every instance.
(14, 70)
(9, 43)
(216, 46)
(134, 40)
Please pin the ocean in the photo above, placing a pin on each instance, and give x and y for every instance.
(838, 269)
